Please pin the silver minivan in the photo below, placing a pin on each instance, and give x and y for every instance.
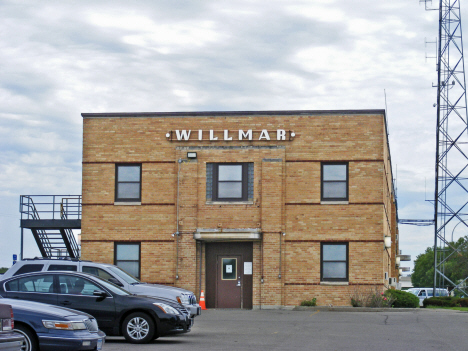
(110, 273)
(425, 293)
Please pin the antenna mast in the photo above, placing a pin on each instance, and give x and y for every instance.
(451, 164)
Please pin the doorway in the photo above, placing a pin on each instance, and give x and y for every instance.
(229, 275)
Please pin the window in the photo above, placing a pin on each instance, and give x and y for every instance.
(229, 181)
(76, 286)
(38, 283)
(334, 182)
(62, 267)
(128, 182)
(334, 262)
(127, 257)
(97, 271)
(28, 268)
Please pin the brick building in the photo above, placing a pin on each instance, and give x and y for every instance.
(258, 209)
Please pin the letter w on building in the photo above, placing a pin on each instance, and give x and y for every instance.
(183, 134)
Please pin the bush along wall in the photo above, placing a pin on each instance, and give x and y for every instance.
(403, 299)
(446, 301)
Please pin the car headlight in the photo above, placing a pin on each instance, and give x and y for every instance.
(64, 325)
(166, 308)
(183, 299)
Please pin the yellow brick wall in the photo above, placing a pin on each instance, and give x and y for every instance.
(286, 199)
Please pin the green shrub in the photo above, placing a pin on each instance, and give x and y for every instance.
(312, 302)
(446, 301)
(403, 299)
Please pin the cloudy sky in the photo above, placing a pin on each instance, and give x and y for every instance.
(62, 58)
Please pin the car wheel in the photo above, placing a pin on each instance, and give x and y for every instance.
(138, 328)
(30, 343)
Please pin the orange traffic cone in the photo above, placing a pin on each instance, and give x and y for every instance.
(202, 300)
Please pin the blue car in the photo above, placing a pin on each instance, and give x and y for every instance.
(46, 327)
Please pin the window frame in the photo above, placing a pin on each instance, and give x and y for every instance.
(116, 243)
(322, 181)
(244, 182)
(116, 193)
(325, 279)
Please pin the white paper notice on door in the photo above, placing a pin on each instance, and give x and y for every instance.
(247, 268)
(229, 268)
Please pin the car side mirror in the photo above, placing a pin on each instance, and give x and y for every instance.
(99, 293)
(114, 281)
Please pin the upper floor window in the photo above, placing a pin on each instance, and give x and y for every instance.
(128, 182)
(230, 181)
(334, 182)
(334, 262)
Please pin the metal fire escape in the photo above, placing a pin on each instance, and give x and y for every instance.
(451, 165)
(52, 219)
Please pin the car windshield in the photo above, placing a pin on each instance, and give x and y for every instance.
(112, 287)
(413, 291)
(130, 279)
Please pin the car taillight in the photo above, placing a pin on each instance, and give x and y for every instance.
(8, 323)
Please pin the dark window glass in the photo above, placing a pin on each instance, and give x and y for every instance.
(127, 257)
(37, 283)
(230, 182)
(28, 268)
(334, 262)
(76, 286)
(97, 271)
(229, 269)
(335, 182)
(62, 267)
(128, 182)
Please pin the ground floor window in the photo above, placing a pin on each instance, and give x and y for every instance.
(127, 256)
(334, 262)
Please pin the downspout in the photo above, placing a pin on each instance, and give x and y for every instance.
(177, 221)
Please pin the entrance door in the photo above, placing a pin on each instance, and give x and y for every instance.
(229, 281)
(225, 263)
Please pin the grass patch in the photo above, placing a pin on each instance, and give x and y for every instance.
(449, 308)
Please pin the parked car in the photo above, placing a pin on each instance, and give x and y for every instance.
(425, 293)
(9, 340)
(111, 273)
(45, 327)
(139, 319)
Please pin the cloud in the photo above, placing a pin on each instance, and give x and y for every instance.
(63, 58)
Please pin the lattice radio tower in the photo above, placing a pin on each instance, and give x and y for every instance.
(451, 165)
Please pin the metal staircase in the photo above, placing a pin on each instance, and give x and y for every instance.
(52, 219)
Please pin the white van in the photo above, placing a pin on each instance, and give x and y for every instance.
(425, 293)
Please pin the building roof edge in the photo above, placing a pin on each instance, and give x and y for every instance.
(232, 113)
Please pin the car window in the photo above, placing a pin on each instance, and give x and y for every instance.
(62, 267)
(113, 288)
(97, 271)
(76, 286)
(130, 279)
(28, 268)
(37, 283)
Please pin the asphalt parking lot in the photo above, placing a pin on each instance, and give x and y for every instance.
(315, 330)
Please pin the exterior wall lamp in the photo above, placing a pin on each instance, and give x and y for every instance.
(191, 155)
(388, 242)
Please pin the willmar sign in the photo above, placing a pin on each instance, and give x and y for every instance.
(230, 135)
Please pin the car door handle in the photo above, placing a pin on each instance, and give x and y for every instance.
(65, 302)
